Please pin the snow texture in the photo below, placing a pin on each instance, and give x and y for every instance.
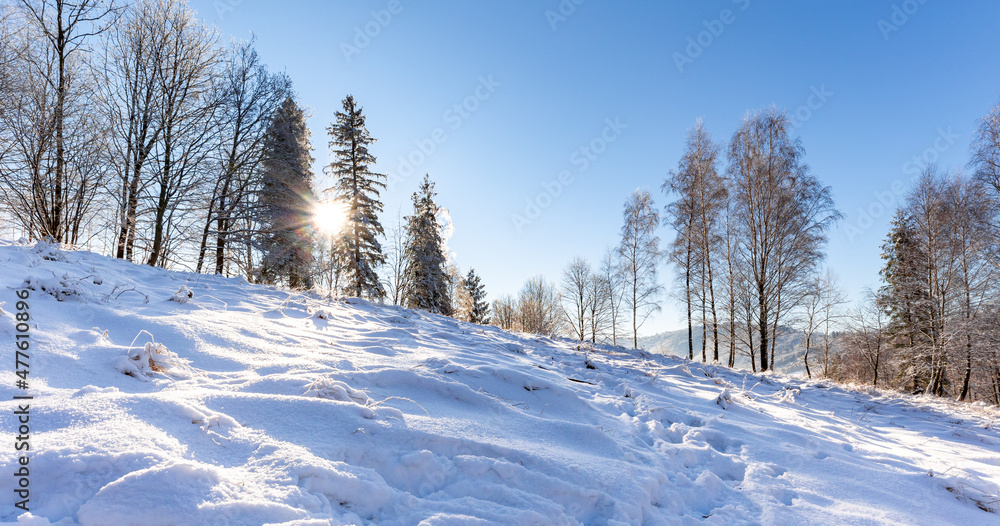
(245, 406)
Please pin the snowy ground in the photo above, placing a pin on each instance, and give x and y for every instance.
(290, 409)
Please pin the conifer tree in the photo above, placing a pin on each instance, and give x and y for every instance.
(286, 198)
(358, 250)
(904, 295)
(480, 312)
(461, 302)
(426, 274)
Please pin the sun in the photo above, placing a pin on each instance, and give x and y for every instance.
(329, 217)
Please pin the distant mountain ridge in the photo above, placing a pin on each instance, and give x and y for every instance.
(788, 358)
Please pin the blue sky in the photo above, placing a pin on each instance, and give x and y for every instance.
(507, 97)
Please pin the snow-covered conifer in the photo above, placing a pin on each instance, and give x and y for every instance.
(426, 275)
(480, 308)
(286, 198)
(357, 186)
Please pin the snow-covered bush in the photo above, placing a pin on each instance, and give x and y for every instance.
(337, 390)
(321, 314)
(152, 358)
(59, 288)
(969, 491)
(183, 295)
(724, 399)
(48, 250)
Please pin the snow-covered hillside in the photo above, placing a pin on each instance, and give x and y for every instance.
(259, 406)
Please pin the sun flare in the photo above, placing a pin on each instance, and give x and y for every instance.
(329, 217)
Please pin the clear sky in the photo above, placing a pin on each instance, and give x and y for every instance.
(504, 96)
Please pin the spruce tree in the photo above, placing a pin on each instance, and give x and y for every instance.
(426, 274)
(905, 297)
(286, 198)
(480, 311)
(357, 250)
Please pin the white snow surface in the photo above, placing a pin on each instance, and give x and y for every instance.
(252, 405)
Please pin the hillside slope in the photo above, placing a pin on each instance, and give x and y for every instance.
(285, 408)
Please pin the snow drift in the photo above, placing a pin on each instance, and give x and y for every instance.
(176, 398)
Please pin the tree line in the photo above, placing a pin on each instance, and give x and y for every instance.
(748, 249)
(133, 129)
(934, 324)
(750, 240)
(748, 246)
(600, 305)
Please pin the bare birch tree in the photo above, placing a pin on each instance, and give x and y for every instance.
(505, 313)
(973, 212)
(538, 308)
(51, 156)
(598, 311)
(248, 96)
(697, 218)
(575, 297)
(986, 150)
(185, 108)
(131, 93)
(393, 272)
(640, 257)
(831, 298)
(783, 215)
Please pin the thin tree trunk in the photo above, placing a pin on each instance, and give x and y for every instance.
(968, 337)
(133, 220)
(203, 248)
(715, 318)
(878, 359)
(687, 292)
(732, 340)
(707, 243)
(56, 227)
(635, 307)
(732, 293)
(762, 304)
(774, 329)
(750, 347)
(704, 321)
(222, 222)
(996, 382)
(162, 203)
(220, 244)
(805, 357)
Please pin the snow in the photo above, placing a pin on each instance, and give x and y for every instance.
(252, 405)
